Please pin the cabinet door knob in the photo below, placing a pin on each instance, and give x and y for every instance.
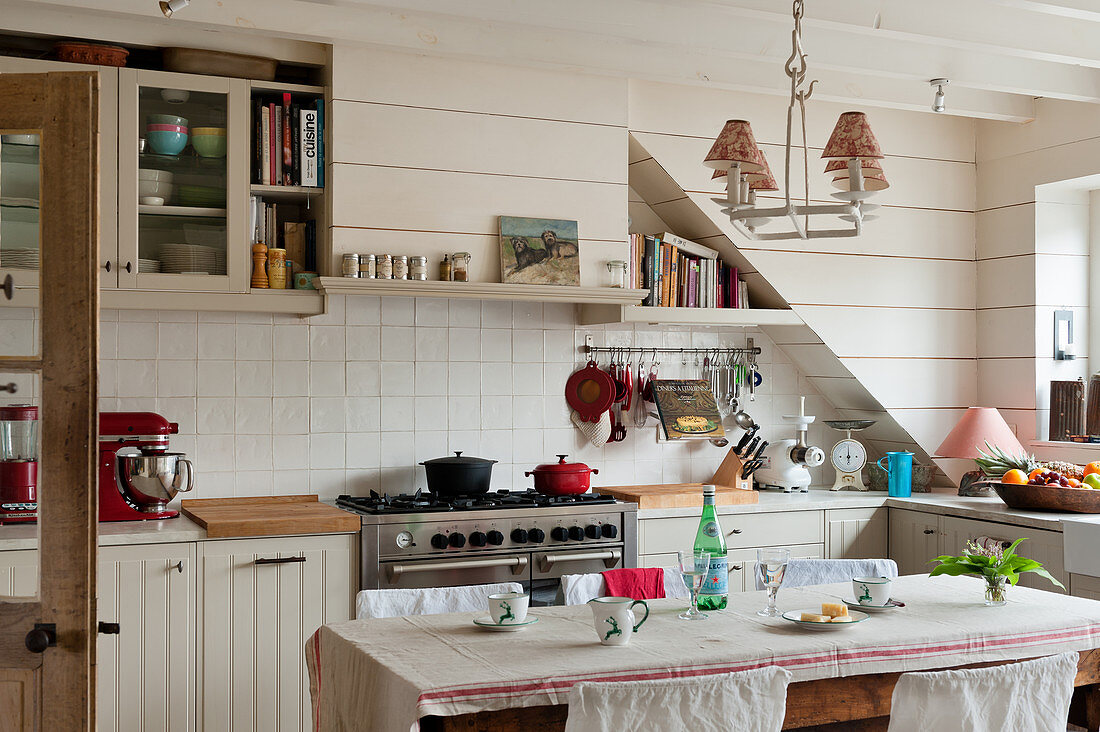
(178, 566)
(8, 287)
(129, 267)
(42, 637)
(929, 531)
(735, 567)
(107, 266)
(735, 531)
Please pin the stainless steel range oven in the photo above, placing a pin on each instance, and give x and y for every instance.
(513, 537)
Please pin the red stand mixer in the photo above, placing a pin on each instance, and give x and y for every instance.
(137, 474)
(18, 463)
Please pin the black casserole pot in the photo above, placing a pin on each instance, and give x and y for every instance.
(458, 476)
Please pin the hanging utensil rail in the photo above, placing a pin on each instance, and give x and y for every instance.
(750, 349)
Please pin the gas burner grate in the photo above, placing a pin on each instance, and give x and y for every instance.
(419, 502)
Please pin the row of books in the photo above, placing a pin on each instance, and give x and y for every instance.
(682, 273)
(289, 147)
(298, 238)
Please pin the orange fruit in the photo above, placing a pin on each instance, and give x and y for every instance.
(1092, 468)
(1032, 475)
(1074, 483)
(1014, 476)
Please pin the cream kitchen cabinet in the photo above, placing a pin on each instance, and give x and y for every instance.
(1041, 545)
(19, 573)
(260, 600)
(857, 533)
(1082, 585)
(914, 540)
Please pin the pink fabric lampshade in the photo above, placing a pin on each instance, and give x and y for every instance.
(978, 426)
(761, 181)
(735, 144)
(867, 164)
(852, 138)
(872, 181)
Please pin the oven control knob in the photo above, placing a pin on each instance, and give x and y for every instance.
(536, 536)
(610, 531)
(457, 540)
(439, 541)
(576, 533)
(558, 533)
(478, 538)
(519, 536)
(593, 531)
(496, 538)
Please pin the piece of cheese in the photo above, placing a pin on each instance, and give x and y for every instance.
(834, 609)
(843, 619)
(814, 618)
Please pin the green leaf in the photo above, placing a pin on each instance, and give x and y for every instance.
(1043, 573)
(951, 570)
(1011, 550)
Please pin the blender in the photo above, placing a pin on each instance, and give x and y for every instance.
(18, 463)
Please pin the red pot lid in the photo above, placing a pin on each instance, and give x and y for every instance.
(561, 467)
(19, 413)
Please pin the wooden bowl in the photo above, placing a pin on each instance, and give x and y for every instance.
(1048, 498)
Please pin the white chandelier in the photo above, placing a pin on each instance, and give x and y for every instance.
(852, 151)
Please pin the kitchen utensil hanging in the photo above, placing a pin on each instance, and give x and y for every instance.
(590, 392)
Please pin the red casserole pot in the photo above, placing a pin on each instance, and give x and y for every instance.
(562, 478)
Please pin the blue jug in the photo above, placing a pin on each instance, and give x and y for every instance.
(899, 472)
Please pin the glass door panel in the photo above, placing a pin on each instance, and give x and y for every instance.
(19, 198)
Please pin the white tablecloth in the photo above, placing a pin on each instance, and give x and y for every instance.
(385, 674)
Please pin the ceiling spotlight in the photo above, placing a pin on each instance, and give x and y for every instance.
(170, 6)
(937, 101)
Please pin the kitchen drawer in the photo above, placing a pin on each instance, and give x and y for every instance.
(1041, 545)
(657, 560)
(745, 559)
(1081, 585)
(664, 535)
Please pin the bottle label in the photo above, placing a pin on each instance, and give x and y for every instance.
(711, 529)
(717, 581)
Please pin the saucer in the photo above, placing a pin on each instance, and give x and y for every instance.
(891, 605)
(488, 624)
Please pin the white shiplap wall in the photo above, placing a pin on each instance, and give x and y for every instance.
(896, 305)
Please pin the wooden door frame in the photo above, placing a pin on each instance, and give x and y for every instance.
(62, 107)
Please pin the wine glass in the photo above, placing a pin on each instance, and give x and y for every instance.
(771, 567)
(695, 566)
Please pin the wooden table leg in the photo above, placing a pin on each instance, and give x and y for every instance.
(1084, 710)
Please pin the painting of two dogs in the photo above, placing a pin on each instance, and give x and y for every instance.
(539, 251)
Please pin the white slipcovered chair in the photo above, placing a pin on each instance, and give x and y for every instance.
(1030, 696)
(746, 701)
(431, 601)
(577, 589)
(803, 572)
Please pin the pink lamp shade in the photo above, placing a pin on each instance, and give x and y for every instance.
(866, 164)
(977, 426)
(852, 138)
(735, 144)
(871, 182)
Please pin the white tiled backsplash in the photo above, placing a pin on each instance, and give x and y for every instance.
(352, 400)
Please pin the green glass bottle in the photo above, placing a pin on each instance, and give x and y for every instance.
(710, 539)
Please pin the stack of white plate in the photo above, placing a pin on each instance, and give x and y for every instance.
(219, 261)
(19, 258)
(189, 258)
(148, 265)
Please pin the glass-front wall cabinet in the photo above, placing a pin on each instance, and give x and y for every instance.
(19, 176)
(183, 187)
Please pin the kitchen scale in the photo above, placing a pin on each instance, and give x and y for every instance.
(849, 456)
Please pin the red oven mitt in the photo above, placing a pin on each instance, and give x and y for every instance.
(643, 583)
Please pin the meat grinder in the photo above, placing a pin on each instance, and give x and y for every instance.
(786, 462)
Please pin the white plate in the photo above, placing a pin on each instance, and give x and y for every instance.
(870, 608)
(794, 615)
(488, 624)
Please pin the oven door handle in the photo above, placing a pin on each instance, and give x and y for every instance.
(518, 565)
(610, 558)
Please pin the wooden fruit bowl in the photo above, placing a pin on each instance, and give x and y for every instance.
(1048, 498)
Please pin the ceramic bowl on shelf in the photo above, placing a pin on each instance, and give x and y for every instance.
(155, 188)
(167, 119)
(166, 142)
(175, 96)
(151, 201)
(152, 174)
(209, 142)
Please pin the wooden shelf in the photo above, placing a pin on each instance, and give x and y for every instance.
(286, 302)
(290, 194)
(730, 317)
(481, 291)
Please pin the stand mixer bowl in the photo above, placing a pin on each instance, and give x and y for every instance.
(148, 481)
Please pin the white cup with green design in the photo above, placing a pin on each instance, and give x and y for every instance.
(872, 591)
(508, 608)
(613, 618)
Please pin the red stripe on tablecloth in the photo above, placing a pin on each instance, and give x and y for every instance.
(483, 693)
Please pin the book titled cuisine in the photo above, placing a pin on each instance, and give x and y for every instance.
(687, 409)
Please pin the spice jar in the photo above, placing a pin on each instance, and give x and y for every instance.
(460, 267)
(616, 269)
(418, 268)
(276, 268)
(445, 269)
(384, 267)
(349, 267)
(367, 266)
(400, 267)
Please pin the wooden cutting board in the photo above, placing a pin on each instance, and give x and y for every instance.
(268, 516)
(677, 495)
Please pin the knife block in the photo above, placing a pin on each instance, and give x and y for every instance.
(728, 474)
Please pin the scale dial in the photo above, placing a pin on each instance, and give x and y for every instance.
(848, 456)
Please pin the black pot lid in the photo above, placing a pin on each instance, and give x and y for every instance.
(458, 460)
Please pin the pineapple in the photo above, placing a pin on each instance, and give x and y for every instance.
(997, 462)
